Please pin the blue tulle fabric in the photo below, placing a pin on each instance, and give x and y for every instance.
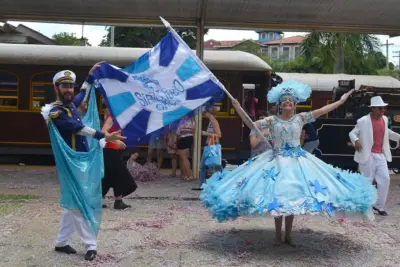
(288, 180)
(80, 173)
(300, 91)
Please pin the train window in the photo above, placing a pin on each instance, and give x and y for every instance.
(38, 93)
(45, 76)
(42, 83)
(9, 86)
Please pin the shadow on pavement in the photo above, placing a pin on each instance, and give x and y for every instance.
(256, 244)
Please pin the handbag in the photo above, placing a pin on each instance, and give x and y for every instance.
(212, 154)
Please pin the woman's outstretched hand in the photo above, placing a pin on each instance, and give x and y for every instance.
(346, 96)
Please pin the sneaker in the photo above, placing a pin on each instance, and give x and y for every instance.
(66, 249)
(120, 205)
(90, 255)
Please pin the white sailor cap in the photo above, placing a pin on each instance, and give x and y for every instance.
(65, 76)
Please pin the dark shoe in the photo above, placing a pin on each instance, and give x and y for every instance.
(120, 205)
(66, 249)
(197, 189)
(90, 255)
(104, 206)
(381, 212)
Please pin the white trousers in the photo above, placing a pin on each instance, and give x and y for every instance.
(71, 221)
(376, 168)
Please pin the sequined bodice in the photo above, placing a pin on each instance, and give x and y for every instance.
(287, 133)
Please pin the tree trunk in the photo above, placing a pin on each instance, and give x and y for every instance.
(339, 66)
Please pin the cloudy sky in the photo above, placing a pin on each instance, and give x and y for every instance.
(96, 33)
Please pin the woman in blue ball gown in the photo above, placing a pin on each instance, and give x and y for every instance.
(287, 180)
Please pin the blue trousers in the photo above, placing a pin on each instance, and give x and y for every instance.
(203, 170)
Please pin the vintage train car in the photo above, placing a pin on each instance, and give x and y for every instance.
(26, 73)
(333, 130)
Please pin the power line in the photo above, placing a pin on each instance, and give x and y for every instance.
(387, 52)
(398, 55)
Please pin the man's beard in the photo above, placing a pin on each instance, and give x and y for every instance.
(62, 99)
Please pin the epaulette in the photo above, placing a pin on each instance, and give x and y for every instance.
(55, 114)
(56, 103)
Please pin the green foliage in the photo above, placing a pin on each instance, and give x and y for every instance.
(249, 46)
(336, 53)
(299, 65)
(4, 197)
(65, 38)
(344, 52)
(11, 203)
(146, 37)
(390, 72)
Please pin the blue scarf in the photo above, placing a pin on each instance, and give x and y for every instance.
(80, 173)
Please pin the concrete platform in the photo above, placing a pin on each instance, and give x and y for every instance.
(167, 226)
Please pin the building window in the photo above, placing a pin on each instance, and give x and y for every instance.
(9, 85)
(274, 53)
(297, 51)
(42, 89)
(263, 36)
(285, 53)
(271, 36)
(264, 52)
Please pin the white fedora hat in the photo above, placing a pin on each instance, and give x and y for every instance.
(377, 101)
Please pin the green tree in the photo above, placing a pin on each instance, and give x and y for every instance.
(249, 46)
(65, 38)
(146, 37)
(339, 51)
(389, 72)
(299, 65)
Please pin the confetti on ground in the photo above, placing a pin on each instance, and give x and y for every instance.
(170, 231)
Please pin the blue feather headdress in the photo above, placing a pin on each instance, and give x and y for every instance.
(300, 91)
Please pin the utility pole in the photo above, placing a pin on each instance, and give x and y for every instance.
(398, 55)
(387, 52)
(112, 36)
(83, 40)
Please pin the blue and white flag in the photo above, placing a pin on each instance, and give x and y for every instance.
(159, 88)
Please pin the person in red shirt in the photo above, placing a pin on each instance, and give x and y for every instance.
(371, 138)
(116, 174)
(251, 105)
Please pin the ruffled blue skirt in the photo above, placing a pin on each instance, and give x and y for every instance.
(292, 182)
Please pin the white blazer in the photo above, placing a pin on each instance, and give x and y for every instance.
(363, 132)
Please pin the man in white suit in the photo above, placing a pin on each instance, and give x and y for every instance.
(371, 138)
